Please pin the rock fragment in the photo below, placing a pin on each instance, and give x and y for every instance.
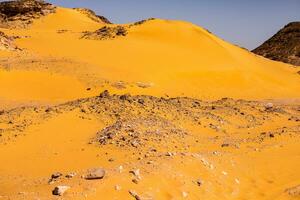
(185, 194)
(135, 172)
(56, 175)
(134, 194)
(71, 175)
(96, 173)
(60, 190)
(199, 182)
(104, 94)
(118, 188)
(269, 106)
(294, 191)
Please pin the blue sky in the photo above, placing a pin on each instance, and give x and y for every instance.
(243, 22)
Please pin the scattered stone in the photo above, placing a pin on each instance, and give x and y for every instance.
(269, 106)
(185, 194)
(144, 85)
(93, 16)
(97, 173)
(225, 145)
(135, 143)
(119, 85)
(118, 188)
(134, 194)
(120, 168)
(135, 172)
(106, 33)
(224, 173)
(56, 175)
(141, 101)
(199, 182)
(170, 154)
(150, 162)
(125, 97)
(104, 94)
(136, 181)
(71, 175)
(60, 190)
(294, 191)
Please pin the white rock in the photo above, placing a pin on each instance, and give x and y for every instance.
(118, 188)
(60, 190)
(185, 194)
(135, 172)
(269, 106)
(120, 169)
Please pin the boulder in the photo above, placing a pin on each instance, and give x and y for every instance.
(96, 173)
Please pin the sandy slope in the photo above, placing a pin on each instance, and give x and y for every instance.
(176, 58)
(158, 58)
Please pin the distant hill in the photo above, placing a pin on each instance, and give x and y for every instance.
(284, 46)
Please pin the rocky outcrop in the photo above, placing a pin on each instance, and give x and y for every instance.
(106, 32)
(92, 15)
(284, 46)
(7, 43)
(112, 32)
(21, 13)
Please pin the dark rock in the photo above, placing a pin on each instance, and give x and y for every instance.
(71, 175)
(199, 182)
(104, 94)
(125, 97)
(56, 175)
(225, 145)
(106, 33)
(23, 11)
(141, 101)
(134, 195)
(284, 46)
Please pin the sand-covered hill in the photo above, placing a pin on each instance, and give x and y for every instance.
(155, 109)
(168, 57)
(284, 46)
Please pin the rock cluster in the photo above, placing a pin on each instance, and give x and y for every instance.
(92, 15)
(284, 46)
(137, 132)
(21, 13)
(7, 43)
(106, 33)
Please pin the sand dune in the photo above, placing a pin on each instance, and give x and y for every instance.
(161, 52)
(165, 129)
